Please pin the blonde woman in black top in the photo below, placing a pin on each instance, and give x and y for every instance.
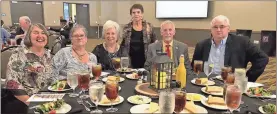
(110, 47)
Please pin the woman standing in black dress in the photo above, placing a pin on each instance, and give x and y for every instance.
(110, 48)
(137, 35)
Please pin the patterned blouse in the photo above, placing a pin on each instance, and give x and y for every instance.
(63, 61)
(149, 35)
(28, 73)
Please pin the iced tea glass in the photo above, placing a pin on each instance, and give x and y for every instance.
(111, 90)
(197, 67)
(96, 70)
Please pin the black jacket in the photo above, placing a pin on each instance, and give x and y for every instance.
(238, 52)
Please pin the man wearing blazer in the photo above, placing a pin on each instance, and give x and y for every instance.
(224, 49)
(173, 48)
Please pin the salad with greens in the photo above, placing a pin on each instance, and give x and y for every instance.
(269, 108)
(50, 107)
(258, 91)
(58, 85)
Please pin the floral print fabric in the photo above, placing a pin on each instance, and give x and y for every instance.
(28, 73)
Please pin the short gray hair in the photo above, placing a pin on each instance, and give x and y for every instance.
(27, 39)
(76, 27)
(220, 18)
(111, 24)
(167, 22)
(25, 18)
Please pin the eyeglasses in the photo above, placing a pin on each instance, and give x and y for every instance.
(78, 36)
(219, 27)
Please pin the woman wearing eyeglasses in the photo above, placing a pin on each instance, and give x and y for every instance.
(75, 57)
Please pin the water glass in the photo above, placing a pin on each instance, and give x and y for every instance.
(208, 68)
(72, 81)
(166, 101)
(96, 92)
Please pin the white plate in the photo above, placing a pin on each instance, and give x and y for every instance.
(271, 96)
(203, 89)
(130, 76)
(121, 99)
(65, 108)
(219, 77)
(218, 107)
(106, 78)
(141, 109)
(209, 83)
(254, 84)
(202, 97)
(128, 70)
(50, 89)
(145, 99)
(261, 109)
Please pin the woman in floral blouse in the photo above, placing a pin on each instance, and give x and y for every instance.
(74, 58)
(29, 67)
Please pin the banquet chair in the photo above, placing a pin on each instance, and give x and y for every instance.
(5, 55)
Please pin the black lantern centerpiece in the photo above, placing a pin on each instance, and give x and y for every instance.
(161, 71)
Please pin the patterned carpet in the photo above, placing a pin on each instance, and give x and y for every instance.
(268, 78)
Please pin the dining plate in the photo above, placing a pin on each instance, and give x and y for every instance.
(139, 99)
(131, 76)
(214, 106)
(203, 89)
(65, 108)
(106, 78)
(209, 83)
(121, 99)
(194, 96)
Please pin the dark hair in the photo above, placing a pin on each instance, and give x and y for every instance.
(2, 22)
(136, 6)
(63, 20)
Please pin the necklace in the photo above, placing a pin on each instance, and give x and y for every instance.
(79, 56)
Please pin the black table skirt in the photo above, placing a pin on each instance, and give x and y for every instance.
(128, 89)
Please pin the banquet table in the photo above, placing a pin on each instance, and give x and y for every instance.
(128, 89)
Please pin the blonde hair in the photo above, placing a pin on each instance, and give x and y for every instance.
(111, 24)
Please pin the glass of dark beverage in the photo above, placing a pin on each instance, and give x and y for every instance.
(116, 63)
(96, 70)
(111, 90)
(197, 66)
(83, 82)
(224, 72)
(180, 101)
(230, 78)
(233, 97)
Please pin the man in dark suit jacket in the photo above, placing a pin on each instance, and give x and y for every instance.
(224, 49)
(176, 48)
(24, 22)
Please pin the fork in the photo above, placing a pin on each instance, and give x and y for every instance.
(89, 104)
(80, 101)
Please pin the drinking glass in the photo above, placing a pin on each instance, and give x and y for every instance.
(72, 81)
(208, 68)
(197, 66)
(124, 63)
(224, 72)
(96, 70)
(166, 101)
(83, 82)
(230, 78)
(116, 63)
(180, 101)
(96, 93)
(233, 97)
(242, 83)
(111, 90)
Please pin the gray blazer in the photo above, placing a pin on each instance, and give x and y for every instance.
(178, 49)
